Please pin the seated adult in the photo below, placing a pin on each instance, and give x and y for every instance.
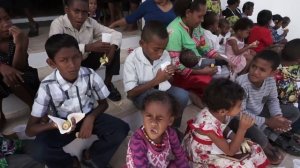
(185, 32)
(15, 74)
(232, 13)
(160, 10)
(261, 31)
(88, 33)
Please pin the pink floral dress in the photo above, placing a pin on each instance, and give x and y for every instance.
(198, 147)
(238, 61)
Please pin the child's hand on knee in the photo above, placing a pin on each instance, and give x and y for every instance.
(86, 127)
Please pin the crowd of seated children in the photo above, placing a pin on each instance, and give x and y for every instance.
(159, 76)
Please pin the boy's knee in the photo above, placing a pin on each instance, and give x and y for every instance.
(181, 95)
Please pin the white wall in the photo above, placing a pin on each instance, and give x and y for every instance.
(290, 8)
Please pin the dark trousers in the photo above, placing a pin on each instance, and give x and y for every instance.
(92, 61)
(111, 132)
(181, 95)
(261, 136)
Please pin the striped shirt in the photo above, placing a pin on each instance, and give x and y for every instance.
(257, 98)
(63, 97)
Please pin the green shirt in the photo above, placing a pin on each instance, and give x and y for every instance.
(180, 39)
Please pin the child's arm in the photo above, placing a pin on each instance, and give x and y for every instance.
(180, 157)
(35, 126)
(235, 48)
(234, 146)
(21, 41)
(88, 122)
(137, 152)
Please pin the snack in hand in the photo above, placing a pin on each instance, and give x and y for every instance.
(66, 125)
(245, 147)
(103, 60)
(212, 65)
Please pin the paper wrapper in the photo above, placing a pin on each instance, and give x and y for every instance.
(166, 84)
(59, 122)
(106, 37)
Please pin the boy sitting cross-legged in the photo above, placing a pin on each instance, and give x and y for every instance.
(72, 89)
(261, 102)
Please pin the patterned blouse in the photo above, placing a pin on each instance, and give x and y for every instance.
(141, 153)
(288, 83)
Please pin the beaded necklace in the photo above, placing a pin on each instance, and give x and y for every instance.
(151, 141)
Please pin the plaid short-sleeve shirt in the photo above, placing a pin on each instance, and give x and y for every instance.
(63, 97)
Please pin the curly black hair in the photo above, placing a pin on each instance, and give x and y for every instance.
(222, 94)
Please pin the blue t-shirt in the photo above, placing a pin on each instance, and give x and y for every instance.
(150, 11)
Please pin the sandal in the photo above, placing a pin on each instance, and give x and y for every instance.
(114, 93)
(290, 146)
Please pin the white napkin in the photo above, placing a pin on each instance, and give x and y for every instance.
(166, 84)
(59, 122)
(106, 37)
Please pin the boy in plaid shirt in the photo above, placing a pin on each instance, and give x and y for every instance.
(72, 89)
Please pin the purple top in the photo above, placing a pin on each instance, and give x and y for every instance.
(141, 153)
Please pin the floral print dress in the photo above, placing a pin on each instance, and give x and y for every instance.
(198, 147)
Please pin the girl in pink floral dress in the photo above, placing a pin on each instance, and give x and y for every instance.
(207, 135)
(238, 54)
(156, 144)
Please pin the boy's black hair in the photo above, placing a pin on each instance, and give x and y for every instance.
(188, 58)
(277, 18)
(222, 94)
(181, 6)
(231, 2)
(286, 19)
(242, 24)
(264, 17)
(70, 2)
(223, 22)
(165, 98)
(270, 56)
(291, 50)
(247, 6)
(59, 41)
(154, 28)
(209, 19)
